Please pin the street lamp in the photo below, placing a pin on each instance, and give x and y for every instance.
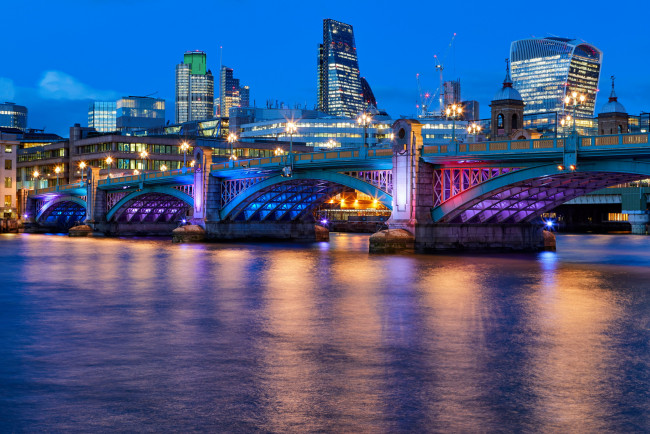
(232, 138)
(82, 166)
(163, 168)
(278, 151)
(565, 123)
(330, 143)
(35, 175)
(474, 129)
(364, 119)
(574, 101)
(291, 129)
(57, 170)
(192, 163)
(109, 161)
(454, 111)
(184, 147)
(143, 156)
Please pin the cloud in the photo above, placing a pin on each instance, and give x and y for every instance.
(7, 89)
(61, 86)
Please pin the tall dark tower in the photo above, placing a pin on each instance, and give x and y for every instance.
(339, 83)
(613, 118)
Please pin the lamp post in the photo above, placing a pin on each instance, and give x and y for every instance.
(82, 166)
(330, 143)
(109, 161)
(57, 170)
(454, 111)
(143, 156)
(35, 175)
(232, 138)
(291, 129)
(163, 168)
(184, 147)
(364, 119)
(564, 122)
(574, 101)
(474, 129)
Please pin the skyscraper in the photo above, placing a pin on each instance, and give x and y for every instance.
(339, 84)
(139, 113)
(13, 116)
(102, 116)
(451, 91)
(232, 94)
(545, 70)
(194, 88)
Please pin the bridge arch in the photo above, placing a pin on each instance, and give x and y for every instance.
(151, 204)
(522, 195)
(281, 198)
(62, 211)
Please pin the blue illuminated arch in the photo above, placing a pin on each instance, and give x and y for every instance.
(115, 212)
(49, 206)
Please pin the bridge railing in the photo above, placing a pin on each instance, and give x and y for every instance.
(541, 145)
(282, 160)
(64, 188)
(146, 176)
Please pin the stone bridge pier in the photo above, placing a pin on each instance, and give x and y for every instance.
(413, 196)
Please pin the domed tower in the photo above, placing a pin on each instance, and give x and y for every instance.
(613, 118)
(507, 109)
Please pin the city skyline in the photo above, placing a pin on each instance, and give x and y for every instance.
(59, 84)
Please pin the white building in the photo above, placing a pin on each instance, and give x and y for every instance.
(8, 150)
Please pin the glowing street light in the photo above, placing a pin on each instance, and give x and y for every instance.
(574, 100)
(82, 166)
(192, 163)
(474, 129)
(35, 175)
(57, 170)
(185, 147)
(454, 111)
(279, 151)
(109, 161)
(232, 138)
(163, 168)
(331, 143)
(291, 129)
(364, 119)
(143, 156)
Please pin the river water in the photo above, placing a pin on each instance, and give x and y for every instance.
(143, 335)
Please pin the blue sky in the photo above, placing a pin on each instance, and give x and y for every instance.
(58, 56)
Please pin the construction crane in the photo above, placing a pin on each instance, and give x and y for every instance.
(440, 66)
(424, 99)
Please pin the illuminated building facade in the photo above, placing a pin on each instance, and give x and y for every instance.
(232, 94)
(8, 146)
(545, 70)
(340, 91)
(139, 112)
(102, 116)
(194, 88)
(451, 91)
(13, 116)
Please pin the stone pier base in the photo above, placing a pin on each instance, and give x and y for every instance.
(638, 221)
(391, 241)
(188, 234)
(294, 231)
(477, 237)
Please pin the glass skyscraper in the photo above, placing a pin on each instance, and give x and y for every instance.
(139, 113)
(545, 70)
(101, 116)
(194, 88)
(232, 93)
(339, 83)
(13, 116)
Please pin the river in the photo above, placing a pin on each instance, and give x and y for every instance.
(143, 335)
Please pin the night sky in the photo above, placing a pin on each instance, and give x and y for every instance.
(58, 56)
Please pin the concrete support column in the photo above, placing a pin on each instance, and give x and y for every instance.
(95, 198)
(638, 221)
(203, 202)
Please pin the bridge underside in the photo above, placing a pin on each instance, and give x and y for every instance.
(63, 215)
(288, 201)
(524, 201)
(152, 208)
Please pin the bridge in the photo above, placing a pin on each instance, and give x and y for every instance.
(474, 195)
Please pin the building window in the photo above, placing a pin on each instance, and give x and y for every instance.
(620, 129)
(7, 164)
(8, 149)
(514, 121)
(7, 201)
(7, 181)
(500, 121)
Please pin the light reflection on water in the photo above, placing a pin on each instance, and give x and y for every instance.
(146, 335)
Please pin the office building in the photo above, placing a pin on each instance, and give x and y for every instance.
(471, 110)
(451, 91)
(194, 88)
(546, 70)
(8, 147)
(368, 97)
(139, 112)
(232, 94)
(13, 116)
(340, 90)
(102, 116)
